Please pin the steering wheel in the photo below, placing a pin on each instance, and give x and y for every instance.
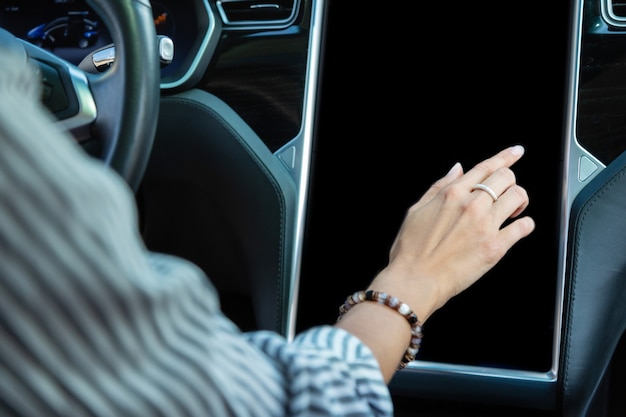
(113, 114)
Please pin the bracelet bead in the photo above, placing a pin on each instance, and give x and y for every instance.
(394, 303)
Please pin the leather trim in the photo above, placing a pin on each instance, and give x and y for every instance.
(595, 288)
(244, 234)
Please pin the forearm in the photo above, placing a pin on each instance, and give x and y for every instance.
(384, 331)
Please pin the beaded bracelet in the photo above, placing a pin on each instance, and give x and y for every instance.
(392, 302)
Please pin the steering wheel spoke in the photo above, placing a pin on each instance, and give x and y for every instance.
(66, 92)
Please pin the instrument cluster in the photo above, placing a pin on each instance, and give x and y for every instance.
(68, 28)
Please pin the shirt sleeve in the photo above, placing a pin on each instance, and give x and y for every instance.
(328, 372)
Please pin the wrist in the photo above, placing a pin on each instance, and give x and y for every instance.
(395, 304)
(421, 293)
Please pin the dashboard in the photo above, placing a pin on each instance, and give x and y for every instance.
(254, 62)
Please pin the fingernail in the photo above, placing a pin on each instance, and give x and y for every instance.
(518, 150)
(455, 169)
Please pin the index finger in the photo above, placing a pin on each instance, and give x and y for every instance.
(503, 159)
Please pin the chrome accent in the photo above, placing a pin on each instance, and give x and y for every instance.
(299, 150)
(103, 58)
(252, 23)
(608, 14)
(165, 46)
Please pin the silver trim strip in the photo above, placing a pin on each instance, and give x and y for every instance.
(531, 390)
(302, 158)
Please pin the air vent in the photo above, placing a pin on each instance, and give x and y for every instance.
(268, 13)
(614, 12)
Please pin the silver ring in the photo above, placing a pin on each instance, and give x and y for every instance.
(487, 190)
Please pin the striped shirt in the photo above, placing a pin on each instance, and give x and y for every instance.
(93, 324)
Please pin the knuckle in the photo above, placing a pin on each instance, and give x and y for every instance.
(493, 250)
(520, 192)
(473, 207)
(453, 192)
(506, 174)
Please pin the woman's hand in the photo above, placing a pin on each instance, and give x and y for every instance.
(449, 239)
(455, 233)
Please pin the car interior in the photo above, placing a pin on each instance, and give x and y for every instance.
(278, 145)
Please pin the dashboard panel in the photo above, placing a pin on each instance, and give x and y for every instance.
(257, 63)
